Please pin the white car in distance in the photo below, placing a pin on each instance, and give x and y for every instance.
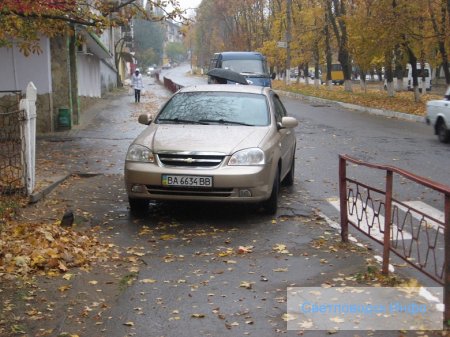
(438, 116)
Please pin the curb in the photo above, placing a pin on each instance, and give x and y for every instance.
(38, 195)
(372, 111)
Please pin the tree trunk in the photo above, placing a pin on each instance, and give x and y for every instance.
(389, 75)
(362, 81)
(328, 53)
(336, 14)
(415, 83)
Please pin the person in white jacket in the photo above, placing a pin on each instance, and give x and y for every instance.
(137, 84)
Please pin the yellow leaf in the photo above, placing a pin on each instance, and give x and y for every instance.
(166, 237)
(128, 323)
(280, 270)
(246, 285)
(93, 282)
(198, 315)
(280, 248)
(147, 280)
(62, 267)
(68, 276)
(64, 288)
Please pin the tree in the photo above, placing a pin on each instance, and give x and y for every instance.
(148, 42)
(337, 12)
(440, 19)
(175, 51)
(25, 21)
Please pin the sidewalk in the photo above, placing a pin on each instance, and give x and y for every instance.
(110, 124)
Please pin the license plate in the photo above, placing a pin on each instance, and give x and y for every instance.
(188, 181)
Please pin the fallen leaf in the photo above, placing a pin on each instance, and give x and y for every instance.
(147, 280)
(246, 285)
(198, 315)
(280, 248)
(280, 270)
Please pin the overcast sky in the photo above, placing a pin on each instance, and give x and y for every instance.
(185, 4)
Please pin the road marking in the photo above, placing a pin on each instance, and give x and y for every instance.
(425, 209)
(370, 214)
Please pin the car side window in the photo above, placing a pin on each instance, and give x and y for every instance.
(280, 110)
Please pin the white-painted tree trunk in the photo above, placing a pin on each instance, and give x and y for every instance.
(348, 86)
(390, 89)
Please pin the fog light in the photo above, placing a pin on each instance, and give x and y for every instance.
(138, 188)
(245, 193)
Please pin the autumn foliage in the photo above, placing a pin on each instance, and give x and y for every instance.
(24, 22)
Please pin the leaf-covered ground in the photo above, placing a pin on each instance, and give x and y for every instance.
(373, 97)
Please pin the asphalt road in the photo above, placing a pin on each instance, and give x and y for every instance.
(325, 131)
(186, 269)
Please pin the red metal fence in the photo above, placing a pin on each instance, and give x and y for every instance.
(416, 237)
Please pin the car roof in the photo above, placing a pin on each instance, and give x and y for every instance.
(231, 55)
(251, 89)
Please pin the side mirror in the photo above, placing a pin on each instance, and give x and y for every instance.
(274, 75)
(288, 123)
(145, 119)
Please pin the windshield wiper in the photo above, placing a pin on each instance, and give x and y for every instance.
(223, 121)
(180, 121)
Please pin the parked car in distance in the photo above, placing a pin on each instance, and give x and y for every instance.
(151, 71)
(227, 143)
(438, 116)
(252, 65)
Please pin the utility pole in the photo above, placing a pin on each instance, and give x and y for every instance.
(288, 41)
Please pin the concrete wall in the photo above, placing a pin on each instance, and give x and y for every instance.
(89, 79)
(60, 71)
(17, 70)
(108, 77)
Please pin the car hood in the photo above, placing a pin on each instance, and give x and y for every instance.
(437, 102)
(201, 138)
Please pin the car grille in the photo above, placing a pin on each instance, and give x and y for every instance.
(190, 160)
(190, 191)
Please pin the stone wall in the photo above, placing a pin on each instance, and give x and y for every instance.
(60, 76)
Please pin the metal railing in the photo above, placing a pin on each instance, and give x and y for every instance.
(418, 238)
(171, 85)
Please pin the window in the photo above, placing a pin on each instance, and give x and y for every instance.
(236, 107)
(280, 111)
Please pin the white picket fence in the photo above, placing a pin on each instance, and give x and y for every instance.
(28, 136)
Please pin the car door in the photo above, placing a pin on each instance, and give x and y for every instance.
(287, 140)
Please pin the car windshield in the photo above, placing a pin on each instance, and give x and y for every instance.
(231, 108)
(245, 66)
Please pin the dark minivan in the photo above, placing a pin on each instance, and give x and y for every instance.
(252, 65)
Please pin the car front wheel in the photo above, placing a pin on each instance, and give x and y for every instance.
(271, 204)
(290, 177)
(443, 133)
(138, 205)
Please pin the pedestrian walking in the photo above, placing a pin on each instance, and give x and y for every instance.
(137, 84)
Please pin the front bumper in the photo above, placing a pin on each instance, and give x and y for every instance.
(230, 183)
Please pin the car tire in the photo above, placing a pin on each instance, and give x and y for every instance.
(138, 205)
(271, 205)
(442, 132)
(290, 177)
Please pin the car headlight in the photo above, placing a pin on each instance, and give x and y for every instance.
(253, 156)
(140, 153)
